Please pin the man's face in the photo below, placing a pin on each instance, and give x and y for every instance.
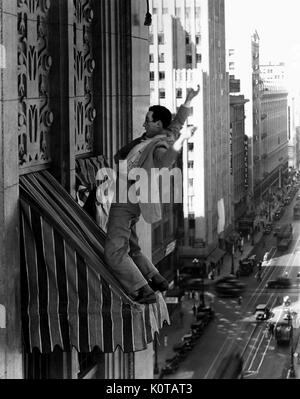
(152, 128)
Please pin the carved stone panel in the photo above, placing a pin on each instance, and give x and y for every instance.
(34, 62)
(84, 66)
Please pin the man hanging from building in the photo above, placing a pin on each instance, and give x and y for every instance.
(157, 148)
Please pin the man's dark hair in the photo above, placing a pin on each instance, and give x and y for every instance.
(162, 114)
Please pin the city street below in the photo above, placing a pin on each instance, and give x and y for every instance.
(234, 328)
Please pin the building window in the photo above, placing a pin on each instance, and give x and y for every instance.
(231, 52)
(178, 93)
(151, 40)
(191, 183)
(157, 236)
(151, 58)
(161, 57)
(177, 11)
(191, 223)
(190, 164)
(189, 59)
(152, 76)
(231, 66)
(191, 146)
(198, 57)
(165, 10)
(162, 93)
(198, 39)
(154, 11)
(161, 75)
(187, 39)
(161, 38)
(190, 203)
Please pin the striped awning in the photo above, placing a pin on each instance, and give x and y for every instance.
(69, 296)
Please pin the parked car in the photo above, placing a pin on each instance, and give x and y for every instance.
(279, 282)
(278, 215)
(203, 317)
(267, 229)
(276, 230)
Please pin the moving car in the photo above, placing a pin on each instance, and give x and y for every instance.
(191, 284)
(279, 282)
(262, 312)
(229, 286)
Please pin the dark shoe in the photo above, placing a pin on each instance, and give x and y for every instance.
(145, 295)
(159, 283)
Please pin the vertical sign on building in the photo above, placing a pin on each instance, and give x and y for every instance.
(231, 155)
(246, 183)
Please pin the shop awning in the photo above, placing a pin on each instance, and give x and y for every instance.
(69, 297)
(216, 255)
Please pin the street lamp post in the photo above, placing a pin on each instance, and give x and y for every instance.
(292, 373)
(232, 259)
(156, 368)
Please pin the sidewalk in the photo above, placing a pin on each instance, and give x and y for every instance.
(182, 316)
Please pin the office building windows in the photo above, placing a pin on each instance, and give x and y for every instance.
(187, 39)
(152, 76)
(162, 93)
(161, 38)
(161, 75)
(198, 39)
(151, 40)
(191, 146)
(190, 164)
(161, 57)
(178, 93)
(165, 10)
(198, 57)
(151, 58)
(188, 59)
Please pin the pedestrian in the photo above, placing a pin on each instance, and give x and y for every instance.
(157, 148)
(165, 341)
(271, 329)
(194, 309)
(213, 272)
(181, 316)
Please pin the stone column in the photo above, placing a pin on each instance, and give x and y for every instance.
(10, 317)
(140, 104)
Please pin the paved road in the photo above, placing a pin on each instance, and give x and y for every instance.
(232, 328)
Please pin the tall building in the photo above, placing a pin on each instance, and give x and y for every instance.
(275, 126)
(188, 48)
(243, 62)
(273, 140)
(74, 89)
(273, 76)
(239, 155)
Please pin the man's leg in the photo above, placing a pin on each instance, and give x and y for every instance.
(117, 247)
(149, 271)
(144, 264)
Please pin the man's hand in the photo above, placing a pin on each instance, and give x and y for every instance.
(190, 95)
(187, 134)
